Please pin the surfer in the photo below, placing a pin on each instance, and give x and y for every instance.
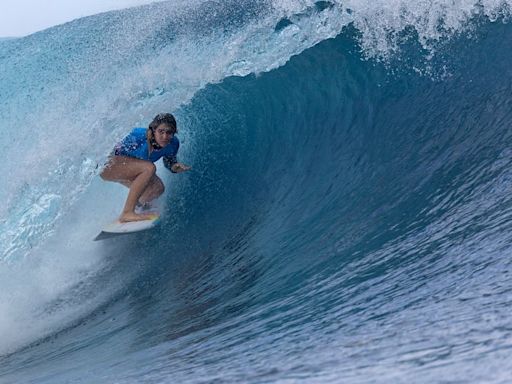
(132, 163)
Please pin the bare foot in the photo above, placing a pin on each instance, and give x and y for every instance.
(132, 216)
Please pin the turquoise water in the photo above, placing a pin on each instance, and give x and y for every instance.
(347, 218)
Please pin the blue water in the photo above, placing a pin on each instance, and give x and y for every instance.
(347, 218)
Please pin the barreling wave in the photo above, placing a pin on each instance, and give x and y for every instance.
(347, 215)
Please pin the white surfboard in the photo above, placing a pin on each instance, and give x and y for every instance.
(117, 228)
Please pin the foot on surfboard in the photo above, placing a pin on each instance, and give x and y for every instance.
(132, 216)
(117, 228)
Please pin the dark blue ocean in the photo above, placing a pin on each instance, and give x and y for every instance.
(348, 217)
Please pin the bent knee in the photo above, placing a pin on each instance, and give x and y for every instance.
(104, 175)
(150, 168)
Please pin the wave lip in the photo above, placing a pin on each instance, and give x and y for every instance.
(344, 219)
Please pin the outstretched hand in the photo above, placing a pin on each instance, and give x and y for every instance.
(180, 167)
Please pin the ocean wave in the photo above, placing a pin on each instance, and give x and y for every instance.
(337, 200)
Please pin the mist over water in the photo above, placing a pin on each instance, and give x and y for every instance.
(347, 218)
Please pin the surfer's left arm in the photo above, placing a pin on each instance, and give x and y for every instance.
(174, 166)
(180, 167)
(170, 161)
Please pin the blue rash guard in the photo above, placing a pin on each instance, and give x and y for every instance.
(136, 145)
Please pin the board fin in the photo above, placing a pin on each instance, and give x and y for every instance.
(108, 235)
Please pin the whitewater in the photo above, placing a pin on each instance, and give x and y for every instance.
(347, 218)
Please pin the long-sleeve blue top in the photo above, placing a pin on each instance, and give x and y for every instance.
(136, 145)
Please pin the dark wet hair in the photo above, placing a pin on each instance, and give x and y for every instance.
(161, 118)
(164, 118)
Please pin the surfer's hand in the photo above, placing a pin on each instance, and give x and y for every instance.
(180, 167)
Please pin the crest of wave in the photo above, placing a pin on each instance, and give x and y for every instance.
(383, 22)
(119, 93)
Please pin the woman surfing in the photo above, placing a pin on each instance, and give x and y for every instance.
(132, 163)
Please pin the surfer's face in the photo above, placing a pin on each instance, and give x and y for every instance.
(163, 135)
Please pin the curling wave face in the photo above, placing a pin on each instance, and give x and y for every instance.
(347, 217)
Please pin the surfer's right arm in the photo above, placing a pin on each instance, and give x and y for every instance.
(131, 143)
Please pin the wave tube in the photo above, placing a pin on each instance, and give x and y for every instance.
(346, 218)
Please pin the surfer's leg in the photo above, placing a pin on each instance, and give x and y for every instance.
(154, 189)
(138, 173)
